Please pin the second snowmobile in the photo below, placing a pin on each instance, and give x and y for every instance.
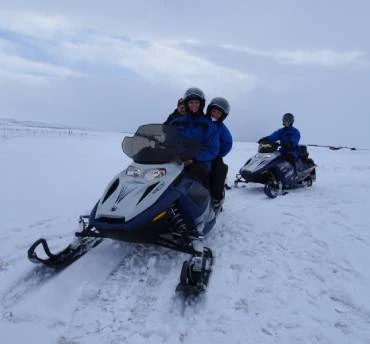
(152, 201)
(270, 168)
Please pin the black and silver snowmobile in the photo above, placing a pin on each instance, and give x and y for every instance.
(152, 201)
(269, 167)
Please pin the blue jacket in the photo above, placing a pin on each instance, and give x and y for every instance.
(226, 140)
(203, 130)
(288, 136)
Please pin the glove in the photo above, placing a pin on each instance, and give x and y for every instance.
(262, 139)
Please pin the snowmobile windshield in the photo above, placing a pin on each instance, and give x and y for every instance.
(159, 144)
(267, 147)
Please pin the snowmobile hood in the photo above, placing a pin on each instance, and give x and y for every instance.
(136, 189)
(260, 161)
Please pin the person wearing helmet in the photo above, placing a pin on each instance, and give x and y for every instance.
(179, 111)
(217, 110)
(197, 126)
(289, 137)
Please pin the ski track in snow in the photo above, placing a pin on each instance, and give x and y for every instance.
(289, 270)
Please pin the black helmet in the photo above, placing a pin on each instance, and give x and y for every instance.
(289, 118)
(221, 104)
(195, 93)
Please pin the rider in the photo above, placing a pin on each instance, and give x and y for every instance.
(197, 126)
(179, 111)
(217, 110)
(289, 137)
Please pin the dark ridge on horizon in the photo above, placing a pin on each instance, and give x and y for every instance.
(35, 124)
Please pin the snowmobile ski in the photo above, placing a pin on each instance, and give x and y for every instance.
(195, 273)
(66, 257)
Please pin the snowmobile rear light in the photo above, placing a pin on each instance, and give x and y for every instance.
(133, 171)
(154, 173)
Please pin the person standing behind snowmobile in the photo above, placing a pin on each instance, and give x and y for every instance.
(179, 111)
(217, 110)
(289, 137)
(196, 126)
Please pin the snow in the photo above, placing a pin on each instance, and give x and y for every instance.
(289, 270)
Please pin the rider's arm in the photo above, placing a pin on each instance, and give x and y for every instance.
(276, 135)
(226, 141)
(211, 145)
(296, 136)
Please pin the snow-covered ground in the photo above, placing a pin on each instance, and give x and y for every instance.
(290, 270)
(10, 128)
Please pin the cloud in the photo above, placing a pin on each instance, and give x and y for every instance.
(156, 61)
(8, 78)
(6, 45)
(35, 24)
(18, 68)
(75, 45)
(323, 57)
(27, 34)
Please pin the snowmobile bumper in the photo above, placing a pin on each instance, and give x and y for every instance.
(145, 228)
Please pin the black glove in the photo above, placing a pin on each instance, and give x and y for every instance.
(261, 140)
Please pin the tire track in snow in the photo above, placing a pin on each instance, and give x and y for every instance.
(58, 298)
(134, 292)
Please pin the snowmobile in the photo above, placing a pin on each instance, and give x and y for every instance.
(269, 167)
(152, 201)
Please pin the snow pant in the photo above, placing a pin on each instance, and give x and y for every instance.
(292, 158)
(199, 171)
(217, 178)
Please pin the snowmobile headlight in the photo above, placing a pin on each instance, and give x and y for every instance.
(133, 171)
(154, 173)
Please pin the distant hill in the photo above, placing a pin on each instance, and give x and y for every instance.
(11, 128)
(34, 124)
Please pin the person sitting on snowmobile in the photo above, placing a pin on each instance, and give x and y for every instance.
(179, 111)
(217, 110)
(199, 127)
(289, 137)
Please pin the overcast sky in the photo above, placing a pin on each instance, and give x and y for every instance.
(119, 64)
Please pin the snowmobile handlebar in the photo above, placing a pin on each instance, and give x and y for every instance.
(267, 146)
